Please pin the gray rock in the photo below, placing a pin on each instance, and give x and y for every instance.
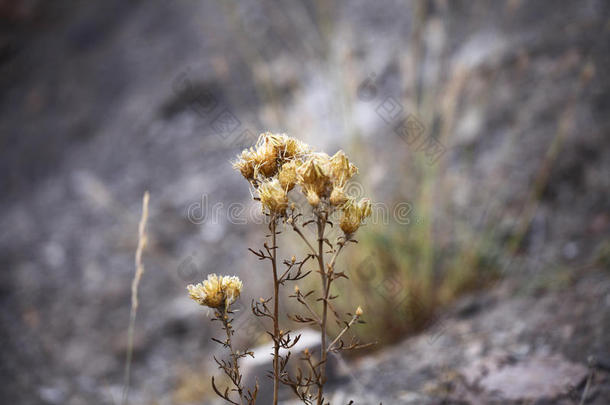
(534, 378)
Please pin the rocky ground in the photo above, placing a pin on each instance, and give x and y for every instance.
(101, 101)
(505, 346)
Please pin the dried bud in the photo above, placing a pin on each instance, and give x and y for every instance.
(273, 196)
(296, 289)
(293, 259)
(359, 311)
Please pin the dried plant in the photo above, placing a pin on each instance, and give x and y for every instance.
(218, 293)
(274, 167)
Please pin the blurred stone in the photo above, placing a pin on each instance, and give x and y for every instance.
(534, 378)
(257, 368)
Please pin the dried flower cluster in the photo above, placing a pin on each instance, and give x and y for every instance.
(216, 291)
(277, 163)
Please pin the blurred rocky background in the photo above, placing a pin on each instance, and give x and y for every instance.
(480, 128)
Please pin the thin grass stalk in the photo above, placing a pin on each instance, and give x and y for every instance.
(142, 238)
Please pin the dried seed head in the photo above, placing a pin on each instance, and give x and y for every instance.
(312, 197)
(337, 196)
(273, 196)
(216, 291)
(288, 174)
(311, 175)
(232, 288)
(284, 147)
(262, 160)
(364, 205)
(340, 169)
(353, 215)
(245, 163)
(292, 147)
(265, 160)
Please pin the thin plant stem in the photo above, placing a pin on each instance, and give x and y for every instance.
(349, 325)
(298, 231)
(336, 254)
(234, 356)
(325, 284)
(311, 311)
(276, 326)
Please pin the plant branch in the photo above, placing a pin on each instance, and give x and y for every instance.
(301, 299)
(300, 233)
(349, 325)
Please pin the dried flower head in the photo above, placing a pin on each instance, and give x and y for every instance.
(310, 193)
(273, 196)
(231, 286)
(288, 174)
(312, 174)
(359, 311)
(353, 215)
(216, 291)
(285, 146)
(340, 169)
(245, 163)
(269, 153)
(338, 196)
(293, 148)
(265, 158)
